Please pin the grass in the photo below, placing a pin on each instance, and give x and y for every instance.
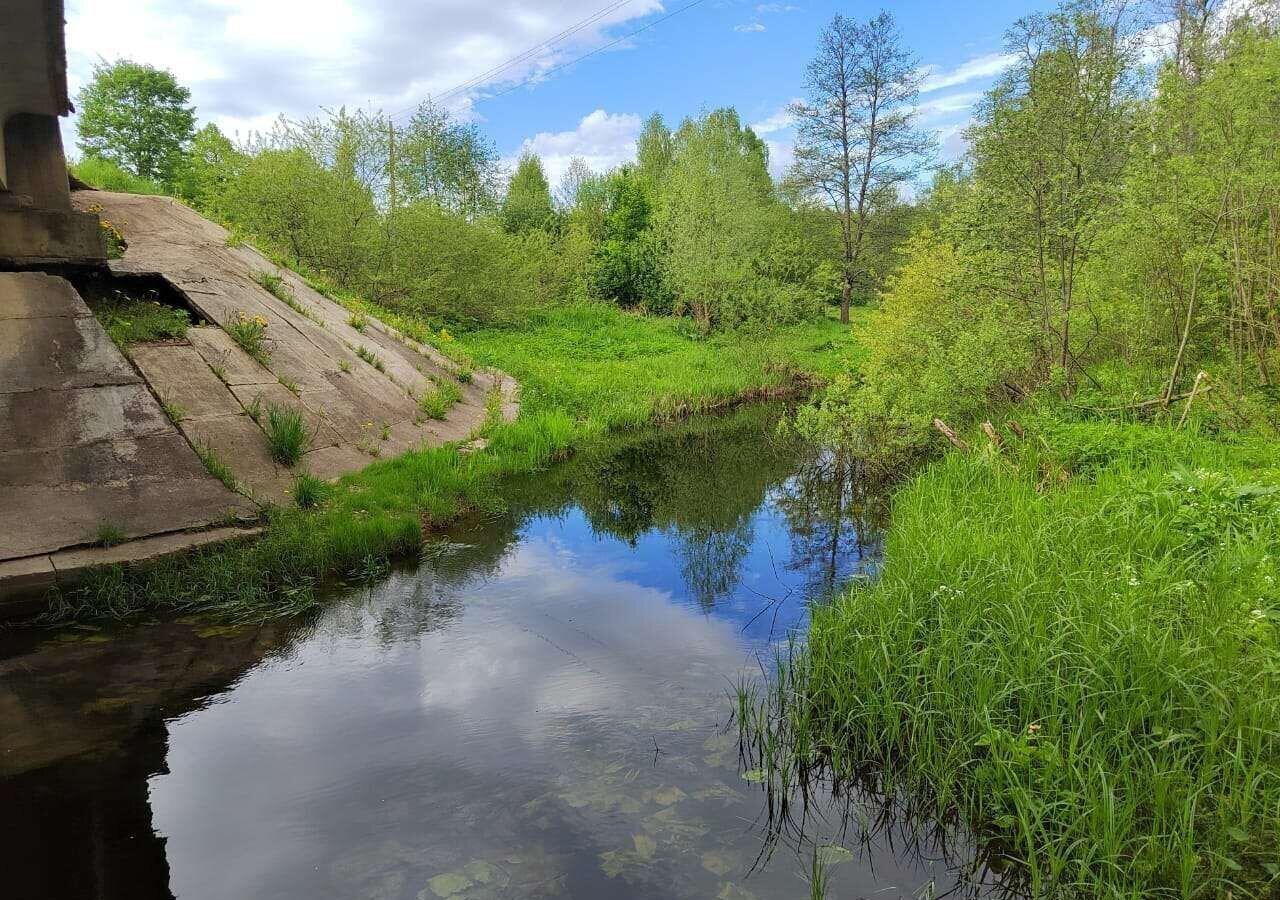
(370, 357)
(436, 403)
(250, 332)
(309, 491)
(286, 431)
(358, 321)
(109, 535)
(1074, 646)
(108, 176)
(578, 383)
(216, 467)
(134, 320)
(174, 411)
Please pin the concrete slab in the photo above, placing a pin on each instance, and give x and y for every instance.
(23, 576)
(56, 499)
(45, 420)
(268, 395)
(35, 295)
(71, 563)
(179, 375)
(333, 462)
(220, 351)
(59, 352)
(240, 443)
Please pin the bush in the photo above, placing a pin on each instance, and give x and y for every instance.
(106, 175)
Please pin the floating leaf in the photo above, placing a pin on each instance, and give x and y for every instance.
(755, 776)
(645, 845)
(669, 795)
(717, 863)
(447, 885)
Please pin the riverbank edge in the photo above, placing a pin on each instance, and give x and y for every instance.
(964, 676)
(360, 525)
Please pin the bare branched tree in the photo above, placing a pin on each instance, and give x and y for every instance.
(856, 141)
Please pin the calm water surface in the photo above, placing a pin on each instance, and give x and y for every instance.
(540, 708)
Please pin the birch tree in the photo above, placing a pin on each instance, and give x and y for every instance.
(856, 141)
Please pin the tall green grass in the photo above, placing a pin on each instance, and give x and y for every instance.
(1076, 649)
(108, 176)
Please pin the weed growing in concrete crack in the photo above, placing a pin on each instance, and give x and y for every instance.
(286, 432)
(370, 357)
(344, 367)
(358, 321)
(437, 401)
(174, 411)
(289, 384)
(250, 332)
(214, 465)
(109, 534)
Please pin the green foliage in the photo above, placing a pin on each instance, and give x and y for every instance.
(370, 357)
(130, 319)
(287, 434)
(1082, 665)
(527, 205)
(106, 175)
(250, 332)
(448, 163)
(137, 117)
(208, 168)
(940, 345)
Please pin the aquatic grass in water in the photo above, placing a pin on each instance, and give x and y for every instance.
(1088, 672)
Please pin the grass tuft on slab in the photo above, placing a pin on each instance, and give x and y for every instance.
(287, 434)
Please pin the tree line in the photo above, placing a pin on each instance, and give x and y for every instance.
(1112, 229)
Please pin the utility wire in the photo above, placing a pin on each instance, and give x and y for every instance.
(564, 65)
(525, 55)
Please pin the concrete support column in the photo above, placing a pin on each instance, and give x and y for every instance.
(34, 164)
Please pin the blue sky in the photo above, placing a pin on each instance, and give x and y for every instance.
(246, 61)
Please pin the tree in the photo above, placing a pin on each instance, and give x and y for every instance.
(210, 165)
(527, 205)
(655, 150)
(447, 162)
(1050, 147)
(136, 116)
(577, 176)
(856, 141)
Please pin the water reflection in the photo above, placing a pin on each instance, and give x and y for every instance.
(537, 709)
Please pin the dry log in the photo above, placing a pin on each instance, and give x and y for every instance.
(990, 431)
(955, 439)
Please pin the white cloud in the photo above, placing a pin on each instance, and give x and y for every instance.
(603, 139)
(781, 155)
(979, 67)
(246, 61)
(749, 27)
(780, 120)
(942, 107)
(767, 8)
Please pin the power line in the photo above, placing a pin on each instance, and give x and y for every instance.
(574, 29)
(525, 55)
(564, 65)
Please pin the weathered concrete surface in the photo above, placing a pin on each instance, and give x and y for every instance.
(313, 362)
(83, 443)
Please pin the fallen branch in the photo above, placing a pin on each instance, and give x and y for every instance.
(1202, 375)
(1145, 404)
(990, 431)
(955, 439)
(1016, 429)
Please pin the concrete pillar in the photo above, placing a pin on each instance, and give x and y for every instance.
(34, 164)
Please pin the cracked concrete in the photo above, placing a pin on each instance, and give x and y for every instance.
(85, 441)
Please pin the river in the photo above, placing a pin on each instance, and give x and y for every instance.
(540, 707)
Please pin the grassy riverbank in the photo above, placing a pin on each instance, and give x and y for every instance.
(1074, 645)
(583, 370)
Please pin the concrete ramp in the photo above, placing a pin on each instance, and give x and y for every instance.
(358, 388)
(84, 444)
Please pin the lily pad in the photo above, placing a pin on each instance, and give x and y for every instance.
(717, 863)
(645, 845)
(447, 885)
(755, 776)
(669, 795)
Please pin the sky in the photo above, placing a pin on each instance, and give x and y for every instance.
(248, 61)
